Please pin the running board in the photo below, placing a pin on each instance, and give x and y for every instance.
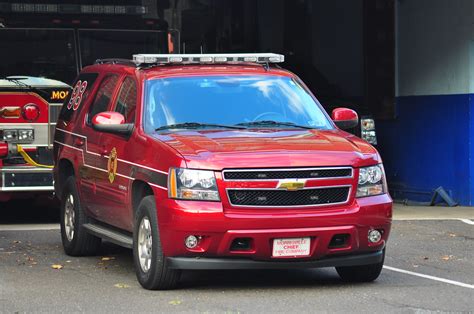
(110, 235)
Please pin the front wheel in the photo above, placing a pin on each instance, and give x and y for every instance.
(151, 267)
(363, 273)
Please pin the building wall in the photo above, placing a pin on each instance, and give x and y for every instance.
(429, 144)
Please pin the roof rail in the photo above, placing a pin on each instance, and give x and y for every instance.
(128, 62)
(264, 58)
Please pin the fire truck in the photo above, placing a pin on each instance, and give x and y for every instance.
(29, 107)
(66, 36)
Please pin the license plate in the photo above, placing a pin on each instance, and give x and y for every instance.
(292, 247)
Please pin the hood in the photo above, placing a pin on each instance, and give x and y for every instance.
(266, 148)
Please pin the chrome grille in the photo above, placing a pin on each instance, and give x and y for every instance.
(54, 110)
(276, 198)
(277, 174)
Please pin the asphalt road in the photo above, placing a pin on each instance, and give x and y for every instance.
(442, 249)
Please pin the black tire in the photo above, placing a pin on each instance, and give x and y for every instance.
(158, 276)
(363, 273)
(79, 243)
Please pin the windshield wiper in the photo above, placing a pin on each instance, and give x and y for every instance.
(18, 82)
(274, 123)
(195, 125)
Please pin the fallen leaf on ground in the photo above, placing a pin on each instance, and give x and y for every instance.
(175, 302)
(107, 258)
(452, 235)
(425, 258)
(121, 285)
(446, 257)
(56, 266)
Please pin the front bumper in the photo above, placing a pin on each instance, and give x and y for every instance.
(25, 179)
(218, 226)
(197, 263)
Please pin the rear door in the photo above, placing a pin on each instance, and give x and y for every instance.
(92, 170)
(114, 188)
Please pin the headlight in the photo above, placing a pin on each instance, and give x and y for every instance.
(367, 130)
(190, 184)
(371, 181)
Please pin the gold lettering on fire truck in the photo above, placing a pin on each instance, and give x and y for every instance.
(59, 94)
(112, 165)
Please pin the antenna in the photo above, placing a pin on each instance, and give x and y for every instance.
(201, 49)
(184, 47)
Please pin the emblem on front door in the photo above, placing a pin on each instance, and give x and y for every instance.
(112, 165)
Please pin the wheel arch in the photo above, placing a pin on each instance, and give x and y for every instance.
(140, 189)
(65, 169)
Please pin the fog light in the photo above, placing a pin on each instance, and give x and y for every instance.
(374, 236)
(191, 242)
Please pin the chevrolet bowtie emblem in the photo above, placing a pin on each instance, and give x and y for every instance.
(291, 185)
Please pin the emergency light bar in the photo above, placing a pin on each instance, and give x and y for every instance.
(208, 58)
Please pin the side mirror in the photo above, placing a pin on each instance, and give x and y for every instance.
(345, 118)
(111, 122)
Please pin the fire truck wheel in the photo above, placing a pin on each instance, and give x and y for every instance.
(76, 241)
(363, 273)
(151, 267)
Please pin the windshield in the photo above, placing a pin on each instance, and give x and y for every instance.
(231, 100)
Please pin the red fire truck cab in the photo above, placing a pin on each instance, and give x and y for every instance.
(29, 107)
(216, 161)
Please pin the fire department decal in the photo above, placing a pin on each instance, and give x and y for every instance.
(112, 165)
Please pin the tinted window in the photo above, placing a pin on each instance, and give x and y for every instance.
(104, 95)
(230, 100)
(127, 99)
(101, 44)
(68, 109)
(46, 53)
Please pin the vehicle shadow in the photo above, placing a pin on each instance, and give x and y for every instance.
(237, 279)
(32, 210)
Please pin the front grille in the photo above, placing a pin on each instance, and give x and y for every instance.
(273, 197)
(266, 174)
(54, 110)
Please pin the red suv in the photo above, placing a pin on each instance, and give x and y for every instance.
(221, 161)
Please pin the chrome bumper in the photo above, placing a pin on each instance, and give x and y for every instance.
(26, 179)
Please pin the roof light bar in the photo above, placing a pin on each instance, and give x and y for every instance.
(209, 58)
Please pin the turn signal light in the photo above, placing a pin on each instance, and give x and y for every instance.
(30, 112)
(10, 112)
(3, 149)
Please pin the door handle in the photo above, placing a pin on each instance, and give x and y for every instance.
(78, 142)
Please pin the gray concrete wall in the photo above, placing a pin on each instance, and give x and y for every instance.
(434, 45)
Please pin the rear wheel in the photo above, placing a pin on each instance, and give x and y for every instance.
(76, 241)
(151, 267)
(363, 273)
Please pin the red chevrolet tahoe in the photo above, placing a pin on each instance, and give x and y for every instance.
(222, 161)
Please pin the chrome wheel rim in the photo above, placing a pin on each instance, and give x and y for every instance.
(69, 217)
(145, 242)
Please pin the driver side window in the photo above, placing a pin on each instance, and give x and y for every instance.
(127, 99)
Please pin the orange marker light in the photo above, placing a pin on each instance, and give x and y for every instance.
(172, 183)
(10, 112)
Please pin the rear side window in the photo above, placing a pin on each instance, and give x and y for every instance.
(104, 95)
(127, 100)
(78, 96)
